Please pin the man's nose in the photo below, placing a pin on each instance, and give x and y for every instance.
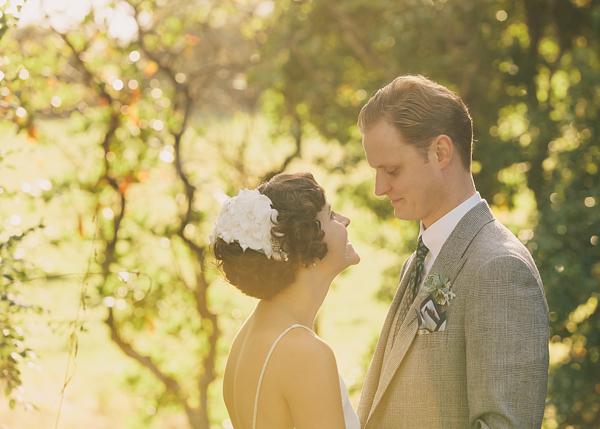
(382, 186)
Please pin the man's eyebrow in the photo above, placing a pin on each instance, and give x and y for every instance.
(385, 166)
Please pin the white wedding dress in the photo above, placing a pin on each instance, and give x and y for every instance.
(350, 416)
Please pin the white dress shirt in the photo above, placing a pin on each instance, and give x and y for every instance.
(436, 235)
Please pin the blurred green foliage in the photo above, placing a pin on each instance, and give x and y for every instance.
(149, 102)
(16, 268)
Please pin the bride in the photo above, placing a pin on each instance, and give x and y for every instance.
(283, 244)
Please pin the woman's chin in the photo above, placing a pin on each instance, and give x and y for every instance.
(351, 255)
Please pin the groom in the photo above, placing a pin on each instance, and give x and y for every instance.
(465, 342)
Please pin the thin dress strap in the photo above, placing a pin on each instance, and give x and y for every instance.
(264, 368)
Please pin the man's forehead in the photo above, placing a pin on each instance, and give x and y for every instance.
(382, 154)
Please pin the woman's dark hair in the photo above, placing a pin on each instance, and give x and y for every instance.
(298, 199)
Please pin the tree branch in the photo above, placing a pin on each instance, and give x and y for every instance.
(169, 382)
(88, 75)
(297, 134)
(349, 32)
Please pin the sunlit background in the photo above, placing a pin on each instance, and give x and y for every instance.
(65, 15)
(125, 123)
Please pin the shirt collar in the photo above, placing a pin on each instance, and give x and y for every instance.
(436, 235)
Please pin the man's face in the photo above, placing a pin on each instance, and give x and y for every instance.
(411, 182)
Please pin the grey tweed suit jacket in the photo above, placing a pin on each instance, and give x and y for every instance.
(489, 367)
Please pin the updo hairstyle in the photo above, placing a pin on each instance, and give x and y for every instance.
(298, 199)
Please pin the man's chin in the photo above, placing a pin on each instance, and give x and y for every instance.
(402, 215)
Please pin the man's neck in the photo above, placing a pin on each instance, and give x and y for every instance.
(454, 196)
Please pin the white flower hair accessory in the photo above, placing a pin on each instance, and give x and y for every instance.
(248, 219)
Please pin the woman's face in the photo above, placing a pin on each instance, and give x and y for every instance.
(340, 253)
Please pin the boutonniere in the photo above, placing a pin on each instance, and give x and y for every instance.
(439, 287)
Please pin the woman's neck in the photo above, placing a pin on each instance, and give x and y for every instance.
(300, 301)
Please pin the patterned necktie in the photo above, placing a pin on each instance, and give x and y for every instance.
(414, 282)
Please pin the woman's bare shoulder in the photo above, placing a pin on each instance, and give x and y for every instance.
(302, 344)
(309, 378)
(304, 356)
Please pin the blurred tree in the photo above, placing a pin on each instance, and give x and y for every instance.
(143, 80)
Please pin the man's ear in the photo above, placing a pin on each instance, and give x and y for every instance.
(443, 150)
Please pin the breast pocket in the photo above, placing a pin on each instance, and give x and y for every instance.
(431, 340)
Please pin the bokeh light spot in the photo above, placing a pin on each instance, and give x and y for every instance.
(26, 187)
(109, 301)
(134, 56)
(124, 276)
(19, 253)
(156, 124)
(15, 220)
(156, 92)
(166, 156)
(361, 94)
(108, 213)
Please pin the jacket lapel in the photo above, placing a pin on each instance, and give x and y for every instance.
(373, 377)
(449, 262)
(408, 330)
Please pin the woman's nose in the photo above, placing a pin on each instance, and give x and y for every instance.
(344, 220)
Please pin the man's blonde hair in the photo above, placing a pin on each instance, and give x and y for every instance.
(421, 110)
